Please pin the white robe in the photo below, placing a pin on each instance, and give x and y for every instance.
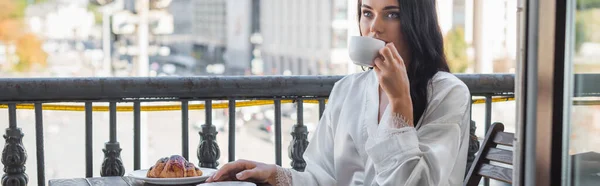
(349, 147)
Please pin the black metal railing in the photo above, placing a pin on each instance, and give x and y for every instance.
(39, 91)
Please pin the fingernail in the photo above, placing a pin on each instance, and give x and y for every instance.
(238, 175)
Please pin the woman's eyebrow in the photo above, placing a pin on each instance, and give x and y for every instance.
(391, 7)
(386, 8)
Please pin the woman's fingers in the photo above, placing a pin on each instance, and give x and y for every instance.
(230, 169)
(226, 169)
(395, 53)
(244, 175)
(378, 64)
(225, 177)
(377, 70)
(385, 57)
(387, 54)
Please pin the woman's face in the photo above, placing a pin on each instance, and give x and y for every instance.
(381, 19)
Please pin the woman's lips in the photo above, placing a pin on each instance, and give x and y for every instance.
(386, 42)
(377, 37)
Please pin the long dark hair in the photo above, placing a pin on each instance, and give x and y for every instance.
(422, 34)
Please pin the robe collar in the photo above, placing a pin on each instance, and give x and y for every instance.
(371, 104)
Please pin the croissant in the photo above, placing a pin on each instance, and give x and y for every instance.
(155, 170)
(191, 170)
(173, 167)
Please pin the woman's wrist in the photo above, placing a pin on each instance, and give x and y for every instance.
(403, 107)
(272, 180)
(280, 176)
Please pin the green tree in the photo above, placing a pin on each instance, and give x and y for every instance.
(11, 18)
(95, 9)
(31, 55)
(588, 4)
(29, 47)
(455, 47)
(580, 33)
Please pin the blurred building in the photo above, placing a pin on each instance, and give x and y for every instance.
(270, 37)
(308, 37)
(343, 18)
(209, 29)
(215, 32)
(296, 36)
(239, 23)
(181, 40)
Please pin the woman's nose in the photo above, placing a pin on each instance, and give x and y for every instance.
(376, 27)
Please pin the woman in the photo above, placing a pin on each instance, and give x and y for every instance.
(403, 123)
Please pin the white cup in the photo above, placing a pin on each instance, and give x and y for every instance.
(363, 50)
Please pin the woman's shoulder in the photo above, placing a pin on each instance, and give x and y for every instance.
(350, 82)
(447, 83)
(351, 79)
(447, 79)
(448, 99)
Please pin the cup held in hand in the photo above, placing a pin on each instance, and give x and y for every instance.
(363, 50)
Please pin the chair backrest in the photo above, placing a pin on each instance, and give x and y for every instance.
(490, 152)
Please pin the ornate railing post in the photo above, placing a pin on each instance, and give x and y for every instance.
(14, 155)
(208, 149)
(298, 146)
(112, 164)
(300, 142)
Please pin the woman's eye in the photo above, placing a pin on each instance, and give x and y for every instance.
(393, 15)
(367, 14)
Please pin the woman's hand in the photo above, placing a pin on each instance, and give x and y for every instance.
(393, 79)
(247, 171)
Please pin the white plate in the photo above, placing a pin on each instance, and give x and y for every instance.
(141, 175)
(228, 183)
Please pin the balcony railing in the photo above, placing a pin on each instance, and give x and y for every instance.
(37, 92)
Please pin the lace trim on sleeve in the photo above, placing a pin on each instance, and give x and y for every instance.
(283, 177)
(399, 121)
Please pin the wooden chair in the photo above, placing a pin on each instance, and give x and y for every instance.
(490, 153)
